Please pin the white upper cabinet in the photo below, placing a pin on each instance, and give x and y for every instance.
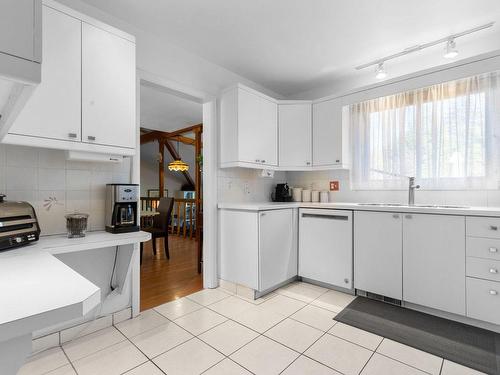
(19, 28)
(330, 134)
(378, 253)
(434, 261)
(249, 129)
(54, 109)
(295, 132)
(108, 88)
(86, 100)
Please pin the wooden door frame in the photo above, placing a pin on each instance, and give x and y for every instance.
(210, 272)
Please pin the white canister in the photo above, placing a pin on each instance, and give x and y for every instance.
(323, 198)
(297, 194)
(315, 196)
(306, 195)
(331, 196)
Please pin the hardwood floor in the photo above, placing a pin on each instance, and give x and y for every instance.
(165, 280)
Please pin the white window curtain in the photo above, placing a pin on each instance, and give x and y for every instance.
(446, 135)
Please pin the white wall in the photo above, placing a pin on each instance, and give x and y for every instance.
(55, 186)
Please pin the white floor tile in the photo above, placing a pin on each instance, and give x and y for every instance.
(316, 317)
(304, 365)
(206, 297)
(200, 321)
(45, 342)
(452, 368)
(192, 357)
(162, 338)
(339, 354)
(64, 370)
(312, 286)
(411, 356)
(231, 307)
(300, 292)
(113, 360)
(147, 320)
(295, 335)
(259, 318)
(176, 309)
(86, 328)
(92, 343)
(334, 300)
(227, 367)
(356, 335)
(264, 356)
(122, 315)
(228, 337)
(283, 305)
(44, 362)
(147, 368)
(381, 365)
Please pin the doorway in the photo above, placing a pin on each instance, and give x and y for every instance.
(171, 160)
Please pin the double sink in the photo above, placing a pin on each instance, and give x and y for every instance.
(414, 205)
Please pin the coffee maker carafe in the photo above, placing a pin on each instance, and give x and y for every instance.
(121, 208)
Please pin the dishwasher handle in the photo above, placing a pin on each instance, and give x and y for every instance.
(329, 217)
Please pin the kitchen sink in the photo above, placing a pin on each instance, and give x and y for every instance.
(415, 205)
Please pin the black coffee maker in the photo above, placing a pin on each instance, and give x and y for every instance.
(281, 193)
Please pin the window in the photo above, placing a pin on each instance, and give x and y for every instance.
(446, 135)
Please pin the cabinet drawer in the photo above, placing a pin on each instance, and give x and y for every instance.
(483, 227)
(483, 248)
(483, 300)
(483, 268)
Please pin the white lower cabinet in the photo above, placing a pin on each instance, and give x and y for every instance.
(258, 249)
(483, 300)
(434, 261)
(325, 246)
(378, 253)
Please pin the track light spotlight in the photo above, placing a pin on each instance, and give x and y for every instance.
(380, 72)
(450, 51)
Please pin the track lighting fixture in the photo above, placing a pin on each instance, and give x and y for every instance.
(380, 72)
(450, 51)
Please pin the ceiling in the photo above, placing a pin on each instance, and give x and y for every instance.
(290, 46)
(161, 110)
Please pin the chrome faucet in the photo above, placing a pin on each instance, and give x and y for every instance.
(411, 191)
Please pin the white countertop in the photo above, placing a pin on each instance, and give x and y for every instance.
(38, 290)
(263, 206)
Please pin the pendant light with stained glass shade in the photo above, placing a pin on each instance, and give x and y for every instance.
(178, 165)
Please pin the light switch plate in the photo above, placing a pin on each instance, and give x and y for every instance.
(334, 186)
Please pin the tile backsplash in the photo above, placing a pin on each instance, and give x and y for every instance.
(56, 186)
(319, 180)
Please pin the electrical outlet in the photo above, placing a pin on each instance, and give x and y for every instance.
(334, 186)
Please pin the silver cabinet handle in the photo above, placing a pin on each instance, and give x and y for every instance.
(337, 161)
(408, 217)
(257, 160)
(330, 217)
(493, 227)
(91, 138)
(493, 270)
(493, 250)
(493, 292)
(395, 216)
(308, 163)
(263, 161)
(72, 135)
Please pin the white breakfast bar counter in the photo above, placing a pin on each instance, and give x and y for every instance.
(38, 290)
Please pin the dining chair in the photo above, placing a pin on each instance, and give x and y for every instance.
(159, 229)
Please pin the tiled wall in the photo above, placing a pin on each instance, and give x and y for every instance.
(55, 186)
(319, 180)
(246, 185)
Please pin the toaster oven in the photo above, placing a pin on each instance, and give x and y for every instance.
(18, 224)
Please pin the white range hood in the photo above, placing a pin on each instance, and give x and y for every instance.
(20, 56)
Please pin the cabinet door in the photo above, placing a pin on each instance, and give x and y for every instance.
(325, 246)
(327, 133)
(294, 124)
(108, 88)
(54, 109)
(277, 249)
(257, 129)
(434, 261)
(17, 27)
(239, 252)
(378, 253)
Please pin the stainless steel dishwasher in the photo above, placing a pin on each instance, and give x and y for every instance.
(325, 246)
